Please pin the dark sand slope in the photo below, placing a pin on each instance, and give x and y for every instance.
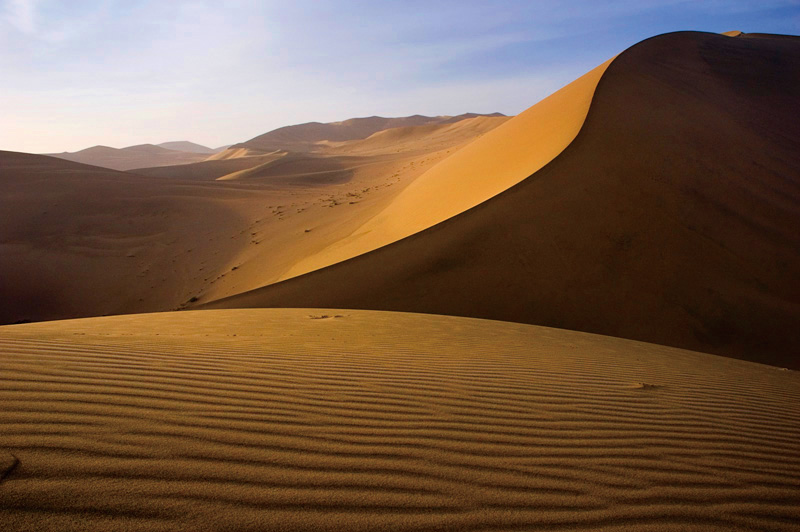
(673, 217)
(78, 240)
(288, 420)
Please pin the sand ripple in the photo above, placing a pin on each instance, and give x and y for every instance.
(274, 420)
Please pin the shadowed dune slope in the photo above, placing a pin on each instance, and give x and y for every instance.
(672, 217)
(351, 420)
(78, 240)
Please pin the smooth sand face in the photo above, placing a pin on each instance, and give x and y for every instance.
(672, 217)
(349, 420)
(487, 166)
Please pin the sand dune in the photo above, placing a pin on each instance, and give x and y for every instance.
(78, 240)
(191, 147)
(84, 241)
(416, 138)
(211, 169)
(304, 137)
(329, 157)
(350, 420)
(672, 217)
(484, 168)
(140, 156)
(234, 153)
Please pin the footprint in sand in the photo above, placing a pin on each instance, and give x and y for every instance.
(8, 462)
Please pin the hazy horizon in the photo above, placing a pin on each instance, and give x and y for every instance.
(119, 73)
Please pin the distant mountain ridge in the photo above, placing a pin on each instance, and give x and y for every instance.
(138, 156)
(190, 147)
(296, 138)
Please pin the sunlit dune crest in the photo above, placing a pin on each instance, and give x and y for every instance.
(484, 168)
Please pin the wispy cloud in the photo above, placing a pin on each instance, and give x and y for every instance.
(21, 14)
(120, 72)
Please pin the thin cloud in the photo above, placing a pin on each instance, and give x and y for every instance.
(132, 71)
(21, 14)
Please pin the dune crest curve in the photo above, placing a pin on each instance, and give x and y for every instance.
(479, 171)
(671, 218)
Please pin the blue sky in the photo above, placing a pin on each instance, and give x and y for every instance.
(76, 73)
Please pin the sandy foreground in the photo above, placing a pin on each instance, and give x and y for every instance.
(356, 420)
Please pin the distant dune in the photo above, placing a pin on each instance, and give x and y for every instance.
(332, 157)
(85, 241)
(410, 139)
(140, 156)
(303, 137)
(338, 420)
(209, 170)
(189, 147)
(672, 217)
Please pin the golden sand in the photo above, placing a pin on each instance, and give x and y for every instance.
(318, 419)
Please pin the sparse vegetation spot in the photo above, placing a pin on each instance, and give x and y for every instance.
(324, 316)
(645, 386)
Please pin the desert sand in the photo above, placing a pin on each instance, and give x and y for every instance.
(316, 419)
(671, 218)
(486, 167)
(306, 137)
(85, 241)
